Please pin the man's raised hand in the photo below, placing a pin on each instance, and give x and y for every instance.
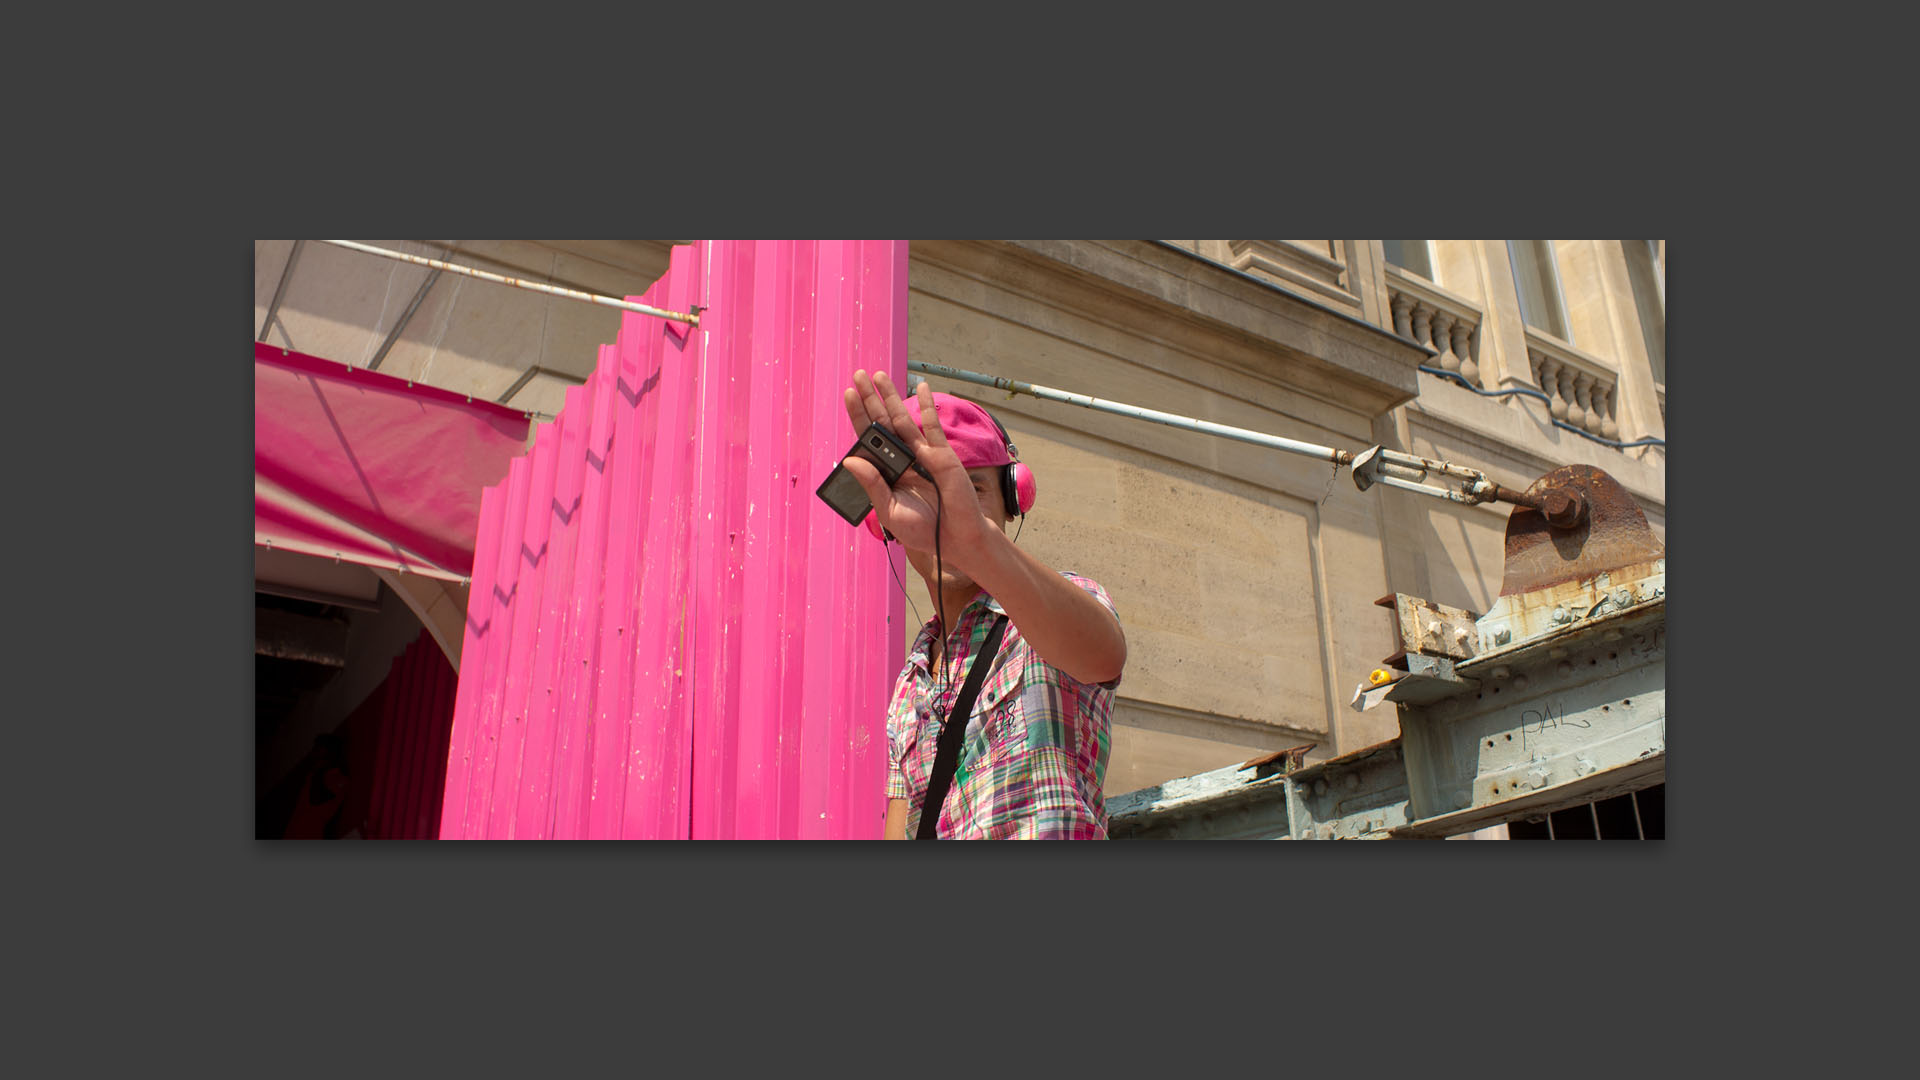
(910, 509)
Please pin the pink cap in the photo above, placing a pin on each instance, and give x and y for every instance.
(975, 439)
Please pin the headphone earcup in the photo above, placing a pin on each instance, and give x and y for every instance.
(1024, 490)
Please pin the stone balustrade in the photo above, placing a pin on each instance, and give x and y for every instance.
(1583, 388)
(1427, 315)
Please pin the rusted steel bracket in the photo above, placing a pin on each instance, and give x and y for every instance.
(1428, 679)
(1422, 626)
(1283, 761)
(1608, 531)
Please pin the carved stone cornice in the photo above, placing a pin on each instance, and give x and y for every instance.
(1166, 293)
(1295, 266)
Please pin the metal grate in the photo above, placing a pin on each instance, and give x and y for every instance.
(1637, 815)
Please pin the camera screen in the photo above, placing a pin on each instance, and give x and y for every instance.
(845, 495)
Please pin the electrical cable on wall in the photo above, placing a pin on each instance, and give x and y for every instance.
(1557, 422)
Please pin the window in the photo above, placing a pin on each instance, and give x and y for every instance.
(1538, 283)
(1411, 256)
(1647, 270)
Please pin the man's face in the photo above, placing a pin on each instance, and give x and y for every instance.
(986, 491)
(986, 488)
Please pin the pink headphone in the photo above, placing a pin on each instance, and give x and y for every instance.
(1017, 487)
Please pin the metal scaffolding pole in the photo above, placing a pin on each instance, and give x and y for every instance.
(1188, 423)
(519, 283)
(1375, 465)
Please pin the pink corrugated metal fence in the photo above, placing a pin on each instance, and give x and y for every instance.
(668, 635)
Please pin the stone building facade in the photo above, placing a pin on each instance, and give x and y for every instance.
(1246, 578)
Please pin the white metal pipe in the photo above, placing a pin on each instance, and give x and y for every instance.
(1423, 465)
(1425, 489)
(519, 283)
(1389, 467)
(1275, 442)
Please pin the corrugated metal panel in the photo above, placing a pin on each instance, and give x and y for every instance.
(414, 707)
(668, 635)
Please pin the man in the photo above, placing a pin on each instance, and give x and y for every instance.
(1035, 750)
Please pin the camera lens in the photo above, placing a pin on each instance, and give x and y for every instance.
(875, 442)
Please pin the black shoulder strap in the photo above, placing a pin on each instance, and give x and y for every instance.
(947, 759)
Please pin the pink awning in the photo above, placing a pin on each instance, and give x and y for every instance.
(356, 465)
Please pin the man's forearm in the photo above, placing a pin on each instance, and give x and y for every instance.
(1063, 623)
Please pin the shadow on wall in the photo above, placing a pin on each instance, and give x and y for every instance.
(1465, 553)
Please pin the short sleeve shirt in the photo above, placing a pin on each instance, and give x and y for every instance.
(1034, 755)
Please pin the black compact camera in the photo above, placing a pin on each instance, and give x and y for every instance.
(888, 454)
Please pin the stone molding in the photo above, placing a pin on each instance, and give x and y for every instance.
(1160, 291)
(1295, 265)
(1174, 720)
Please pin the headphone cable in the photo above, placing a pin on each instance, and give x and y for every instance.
(939, 594)
(903, 588)
(939, 598)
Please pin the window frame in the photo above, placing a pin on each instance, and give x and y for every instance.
(1649, 289)
(1551, 289)
(1426, 251)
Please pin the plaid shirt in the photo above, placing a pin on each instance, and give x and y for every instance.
(1034, 756)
